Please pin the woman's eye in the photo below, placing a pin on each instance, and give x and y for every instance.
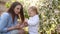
(17, 8)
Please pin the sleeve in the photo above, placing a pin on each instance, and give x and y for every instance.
(0, 17)
(16, 20)
(3, 23)
(33, 21)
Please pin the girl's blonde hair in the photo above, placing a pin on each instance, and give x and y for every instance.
(34, 9)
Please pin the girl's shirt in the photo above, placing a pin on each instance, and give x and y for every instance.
(33, 24)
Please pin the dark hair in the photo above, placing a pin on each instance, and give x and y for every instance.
(34, 9)
(11, 11)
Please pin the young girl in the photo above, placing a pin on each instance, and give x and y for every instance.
(33, 21)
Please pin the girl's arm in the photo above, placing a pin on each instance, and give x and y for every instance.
(33, 21)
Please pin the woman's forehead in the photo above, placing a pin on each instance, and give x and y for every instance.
(1, 10)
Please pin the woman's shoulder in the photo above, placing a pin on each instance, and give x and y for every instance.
(5, 14)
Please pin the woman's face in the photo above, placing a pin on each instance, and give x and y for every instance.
(17, 9)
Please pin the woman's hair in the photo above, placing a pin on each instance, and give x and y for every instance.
(11, 11)
(1, 11)
(34, 9)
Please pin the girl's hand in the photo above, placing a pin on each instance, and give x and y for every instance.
(26, 24)
(26, 20)
(22, 25)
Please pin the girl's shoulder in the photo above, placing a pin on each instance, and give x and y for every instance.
(36, 16)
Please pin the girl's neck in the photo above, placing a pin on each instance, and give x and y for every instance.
(33, 15)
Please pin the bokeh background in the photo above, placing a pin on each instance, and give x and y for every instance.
(49, 13)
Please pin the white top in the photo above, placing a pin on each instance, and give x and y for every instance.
(33, 24)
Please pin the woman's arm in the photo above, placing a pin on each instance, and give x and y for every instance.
(11, 28)
(3, 23)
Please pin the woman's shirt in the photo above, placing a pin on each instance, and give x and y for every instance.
(0, 17)
(33, 24)
(6, 22)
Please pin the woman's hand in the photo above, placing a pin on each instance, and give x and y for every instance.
(20, 26)
(17, 26)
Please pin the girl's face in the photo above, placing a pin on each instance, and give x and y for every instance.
(17, 9)
(31, 12)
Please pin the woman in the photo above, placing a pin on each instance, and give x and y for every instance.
(8, 22)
